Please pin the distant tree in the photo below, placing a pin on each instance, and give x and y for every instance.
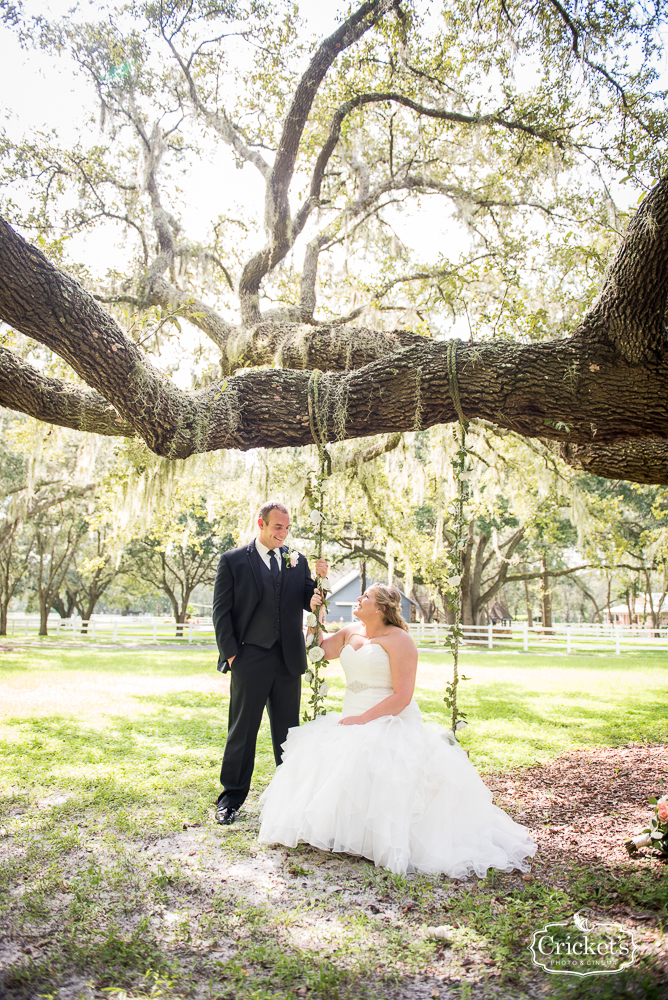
(15, 555)
(95, 565)
(180, 554)
(57, 535)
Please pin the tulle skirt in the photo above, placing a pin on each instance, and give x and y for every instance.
(394, 791)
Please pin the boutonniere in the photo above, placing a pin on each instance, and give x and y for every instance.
(290, 558)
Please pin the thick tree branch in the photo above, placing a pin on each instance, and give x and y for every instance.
(576, 391)
(307, 347)
(630, 312)
(375, 450)
(643, 461)
(277, 208)
(550, 572)
(206, 319)
(502, 577)
(27, 390)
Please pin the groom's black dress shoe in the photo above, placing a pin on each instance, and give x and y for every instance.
(225, 815)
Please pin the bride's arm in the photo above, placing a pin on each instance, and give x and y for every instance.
(403, 664)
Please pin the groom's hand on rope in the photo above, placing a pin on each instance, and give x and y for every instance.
(321, 568)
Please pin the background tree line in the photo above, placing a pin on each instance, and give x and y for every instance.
(92, 525)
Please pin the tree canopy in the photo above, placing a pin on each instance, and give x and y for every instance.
(504, 133)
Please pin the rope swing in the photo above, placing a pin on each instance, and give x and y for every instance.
(315, 655)
(459, 464)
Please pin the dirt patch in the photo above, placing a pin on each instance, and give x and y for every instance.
(219, 901)
(98, 695)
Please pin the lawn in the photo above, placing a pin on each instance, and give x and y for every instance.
(115, 878)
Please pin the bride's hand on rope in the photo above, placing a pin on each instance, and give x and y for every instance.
(316, 602)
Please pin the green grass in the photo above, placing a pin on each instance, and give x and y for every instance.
(108, 755)
(528, 708)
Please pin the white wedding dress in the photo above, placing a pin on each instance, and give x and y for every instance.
(393, 790)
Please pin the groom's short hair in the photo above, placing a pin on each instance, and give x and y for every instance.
(269, 505)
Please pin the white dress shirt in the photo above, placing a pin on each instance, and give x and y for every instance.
(263, 553)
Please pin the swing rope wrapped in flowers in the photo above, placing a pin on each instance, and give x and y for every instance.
(316, 496)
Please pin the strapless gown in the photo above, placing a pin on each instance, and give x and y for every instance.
(394, 790)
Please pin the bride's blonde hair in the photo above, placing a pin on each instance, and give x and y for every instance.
(388, 600)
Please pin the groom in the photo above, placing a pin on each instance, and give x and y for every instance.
(261, 590)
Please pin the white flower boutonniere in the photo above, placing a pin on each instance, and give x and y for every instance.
(290, 558)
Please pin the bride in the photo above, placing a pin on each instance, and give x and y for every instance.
(374, 780)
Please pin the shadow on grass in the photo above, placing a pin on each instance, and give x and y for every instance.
(644, 981)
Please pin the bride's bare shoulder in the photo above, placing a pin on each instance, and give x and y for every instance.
(400, 638)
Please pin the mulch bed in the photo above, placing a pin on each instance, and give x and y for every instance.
(582, 806)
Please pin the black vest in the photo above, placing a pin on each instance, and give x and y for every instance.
(264, 628)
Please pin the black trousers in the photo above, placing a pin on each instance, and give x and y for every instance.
(258, 677)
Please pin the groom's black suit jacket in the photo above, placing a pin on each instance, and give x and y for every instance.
(237, 593)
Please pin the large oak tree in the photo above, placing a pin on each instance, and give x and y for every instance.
(391, 109)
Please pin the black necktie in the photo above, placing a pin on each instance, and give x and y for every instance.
(273, 563)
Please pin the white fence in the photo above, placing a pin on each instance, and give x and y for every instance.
(114, 628)
(570, 638)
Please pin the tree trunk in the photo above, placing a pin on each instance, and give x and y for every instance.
(630, 603)
(180, 620)
(529, 608)
(44, 609)
(91, 600)
(654, 612)
(546, 593)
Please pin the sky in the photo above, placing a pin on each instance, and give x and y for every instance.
(43, 94)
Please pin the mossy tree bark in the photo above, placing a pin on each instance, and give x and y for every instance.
(595, 392)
